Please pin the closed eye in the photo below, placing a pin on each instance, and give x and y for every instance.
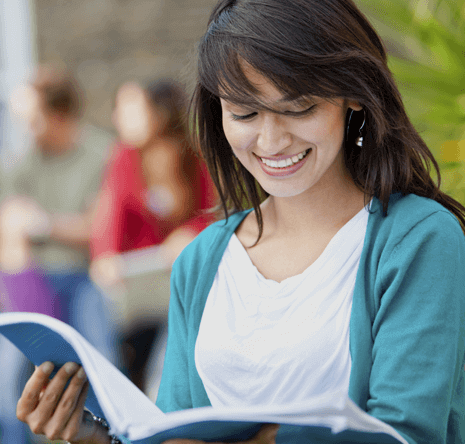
(243, 117)
(297, 114)
(303, 113)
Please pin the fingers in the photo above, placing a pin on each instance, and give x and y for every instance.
(31, 393)
(70, 404)
(80, 425)
(53, 393)
(50, 409)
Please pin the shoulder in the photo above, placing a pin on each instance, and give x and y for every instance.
(415, 230)
(204, 253)
(212, 237)
(95, 142)
(23, 173)
(413, 217)
(123, 168)
(26, 162)
(123, 156)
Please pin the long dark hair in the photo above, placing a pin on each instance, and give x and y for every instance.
(322, 48)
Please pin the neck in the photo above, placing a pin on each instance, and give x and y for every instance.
(321, 208)
(63, 141)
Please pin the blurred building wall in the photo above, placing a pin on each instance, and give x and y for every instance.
(108, 42)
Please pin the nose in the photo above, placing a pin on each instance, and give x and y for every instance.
(273, 136)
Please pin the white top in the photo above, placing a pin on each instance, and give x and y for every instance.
(266, 342)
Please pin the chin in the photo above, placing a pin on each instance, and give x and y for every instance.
(283, 191)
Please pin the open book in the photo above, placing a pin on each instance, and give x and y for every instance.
(332, 418)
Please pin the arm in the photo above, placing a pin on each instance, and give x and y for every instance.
(419, 332)
(72, 229)
(68, 228)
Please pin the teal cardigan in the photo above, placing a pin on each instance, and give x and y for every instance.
(407, 327)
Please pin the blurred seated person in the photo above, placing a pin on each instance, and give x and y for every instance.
(45, 220)
(156, 189)
(156, 193)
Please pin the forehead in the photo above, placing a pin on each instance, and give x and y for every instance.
(260, 91)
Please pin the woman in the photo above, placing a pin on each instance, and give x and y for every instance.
(154, 185)
(154, 192)
(298, 112)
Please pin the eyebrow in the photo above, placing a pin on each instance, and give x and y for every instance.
(299, 101)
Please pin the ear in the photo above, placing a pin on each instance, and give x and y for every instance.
(354, 105)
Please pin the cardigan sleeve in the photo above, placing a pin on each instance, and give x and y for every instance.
(174, 391)
(417, 375)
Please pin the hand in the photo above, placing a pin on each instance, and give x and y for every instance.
(14, 237)
(266, 435)
(107, 272)
(20, 214)
(50, 410)
(39, 222)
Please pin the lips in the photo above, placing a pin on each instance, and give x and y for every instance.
(284, 162)
(285, 165)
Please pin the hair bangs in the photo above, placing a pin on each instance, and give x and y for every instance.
(224, 59)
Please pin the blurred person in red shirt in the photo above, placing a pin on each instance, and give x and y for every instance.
(156, 188)
(155, 193)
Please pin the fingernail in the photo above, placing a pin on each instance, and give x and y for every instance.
(47, 367)
(70, 367)
(81, 373)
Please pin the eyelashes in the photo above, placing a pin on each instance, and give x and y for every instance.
(243, 117)
(297, 114)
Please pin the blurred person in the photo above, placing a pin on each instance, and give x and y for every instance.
(45, 225)
(154, 193)
(45, 219)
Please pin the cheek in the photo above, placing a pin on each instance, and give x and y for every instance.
(325, 131)
(239, 138)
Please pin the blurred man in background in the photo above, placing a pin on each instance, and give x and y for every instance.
(45, 220)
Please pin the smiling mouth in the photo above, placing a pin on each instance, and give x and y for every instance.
(285, 163)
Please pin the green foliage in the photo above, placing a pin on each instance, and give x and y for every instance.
(426, 44)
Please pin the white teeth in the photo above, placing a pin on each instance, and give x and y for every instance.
(285, 163)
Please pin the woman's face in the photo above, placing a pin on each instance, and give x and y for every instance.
(136, 121)
(291, 150)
